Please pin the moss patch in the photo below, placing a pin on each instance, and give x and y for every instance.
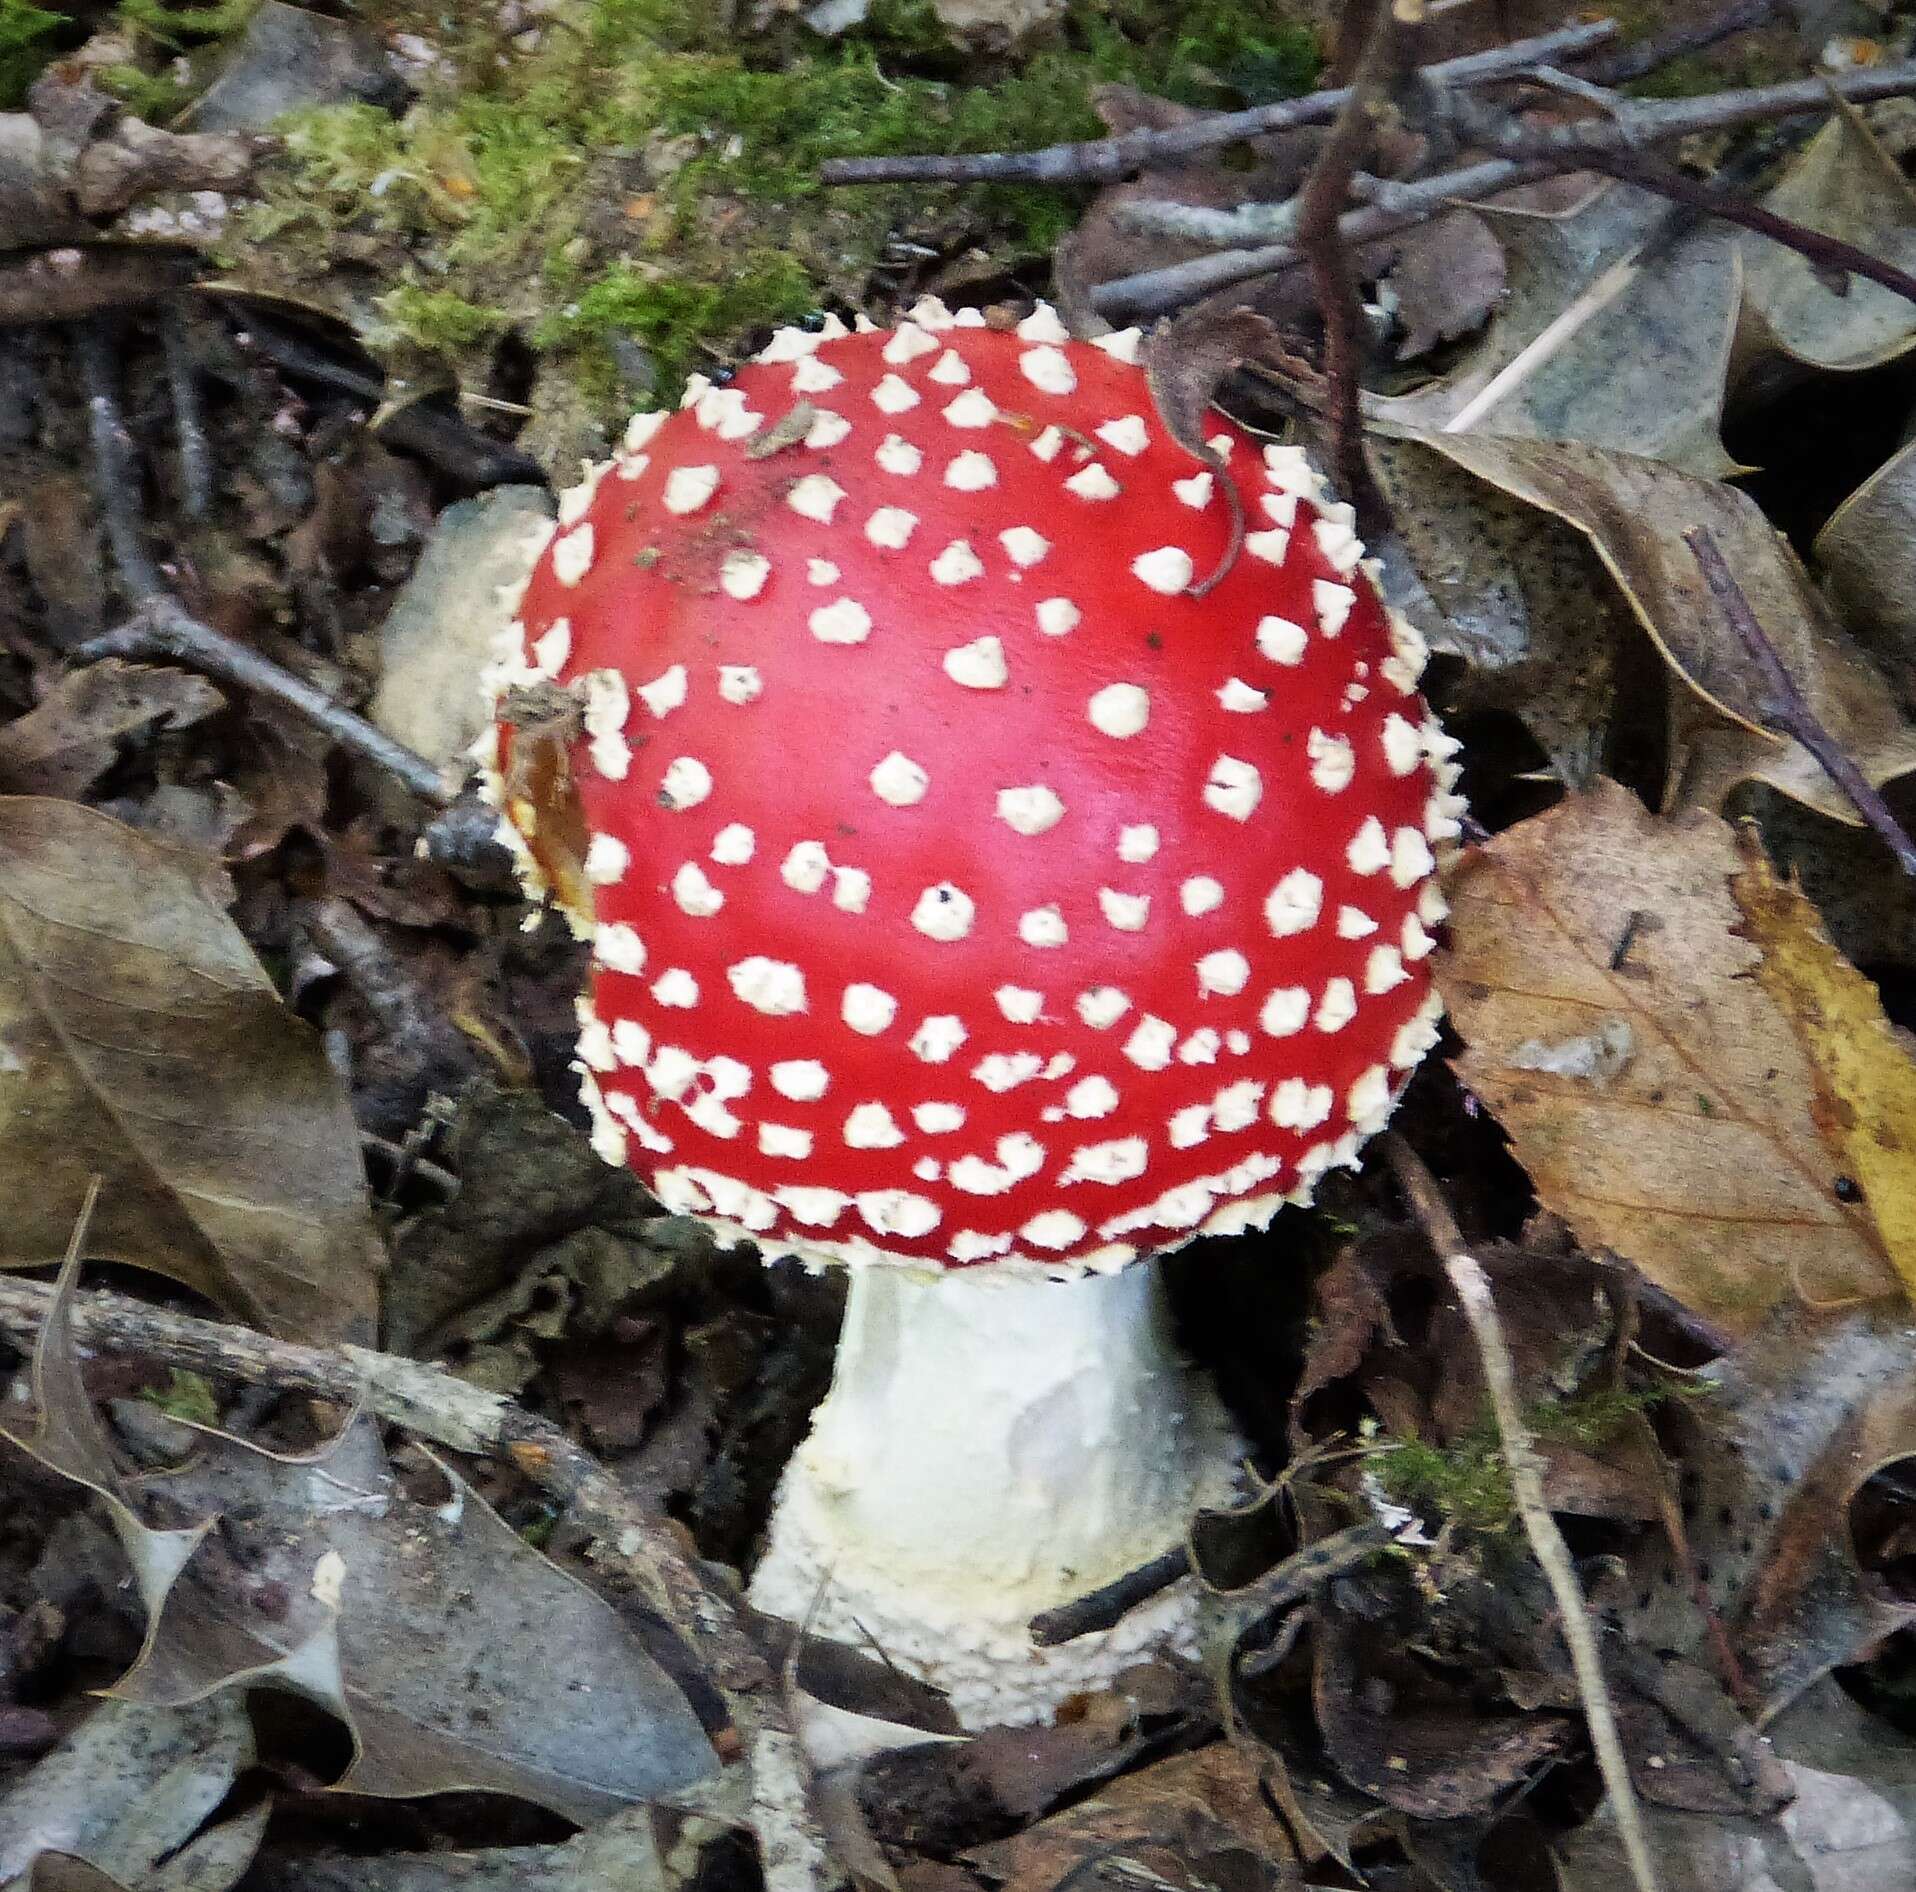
(1467, 1483)
(639, 182)
(26, 43)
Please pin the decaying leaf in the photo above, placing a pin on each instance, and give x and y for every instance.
(1845, 185)
(142, 1042)
(1194, 1821)
(1867, 557)
(1611, 332)
(1850, 1828)
(1786, 1431)
(70, 739)
(1520, 599)
(1634, 512)
(410, 1621)
(1865, 1084)
(127, 1789)
(1707, 1158)
(1412, 1739)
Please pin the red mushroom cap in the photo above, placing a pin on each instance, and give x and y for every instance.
(967, 890)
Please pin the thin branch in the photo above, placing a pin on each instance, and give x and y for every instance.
(189, 417)
(1526, 1484)
(1786, 708)
(448, 441)
(1524, 158)
(635, 1543)
(116, 465)
(162, 626)
(1827, 252)
(1106, 1607)
(1629, 63)
(1103, 160)
(1333, 280)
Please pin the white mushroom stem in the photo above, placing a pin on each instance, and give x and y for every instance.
(994, 1445)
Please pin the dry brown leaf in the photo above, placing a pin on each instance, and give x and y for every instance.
(1604, 335)
(1845, 185)
(1867, 557)
(1171, 1826)
(1659, 1096)
(141, 1041)
(67, 741)
(1520, 599)
(1634, 512)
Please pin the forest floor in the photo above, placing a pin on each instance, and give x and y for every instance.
(305, 314)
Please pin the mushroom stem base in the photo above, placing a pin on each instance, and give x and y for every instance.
(994, 1445)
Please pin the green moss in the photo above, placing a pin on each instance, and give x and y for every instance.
(641, 175)
(154, 96)
(1467, 1483)
(185, 1396)
(772, 127)
(178, 26)
(26, 43)
(441, 321)
(672, 316)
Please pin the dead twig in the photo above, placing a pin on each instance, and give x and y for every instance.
(1472, 1288)
(1523, 158)
(1320, 242)
(189, 419)
(447, 441)
(162, 626)
(638, 1546)
(1827, 252)
(1107, 1606)
(1785, 708)
(1629, 63)
(1103, 160)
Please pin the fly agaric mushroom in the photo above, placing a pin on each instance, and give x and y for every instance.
(973, 904)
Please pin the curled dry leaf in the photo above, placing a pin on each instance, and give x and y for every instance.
(412, 1622)
(1185, 363)
(127, 1789)
(1611, 332)
(1521, 600)
(1172, 1826)
(1851, 1826)
(1634, 513)
(1845, 185)
(142, 1042)
(71, 738)
(1710, 1158)
(1866, 555)
(1416, 1740)
(1763, 1585)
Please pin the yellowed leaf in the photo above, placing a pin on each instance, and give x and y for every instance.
(1617, 1024)
(1865, 1102)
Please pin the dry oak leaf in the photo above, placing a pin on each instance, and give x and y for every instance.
(1634, 513)
(67, 741)
(1615, 330)
(1846, 185)
(1653, 1051)
(142, 1042)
